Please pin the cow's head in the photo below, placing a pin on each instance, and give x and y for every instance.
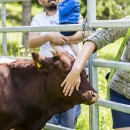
(59, 66)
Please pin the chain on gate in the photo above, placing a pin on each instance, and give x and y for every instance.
(85, 27)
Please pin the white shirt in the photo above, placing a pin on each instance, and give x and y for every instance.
(41, 20)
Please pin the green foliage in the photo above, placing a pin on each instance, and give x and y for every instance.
(83, 9)
(15, 49)
(109, 9)
(83, 120)
(13, 17)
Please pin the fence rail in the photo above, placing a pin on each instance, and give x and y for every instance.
(114, 105)
(58, 28)
(110, 23)
(41, 28)
(112, 64)
(55, 127)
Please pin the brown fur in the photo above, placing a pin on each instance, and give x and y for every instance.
(30, 96)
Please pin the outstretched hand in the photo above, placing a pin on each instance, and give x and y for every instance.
(71, 82)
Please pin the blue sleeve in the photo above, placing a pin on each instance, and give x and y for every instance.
(66, 7)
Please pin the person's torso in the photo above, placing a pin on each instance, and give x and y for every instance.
(42, 20)
(121, 79)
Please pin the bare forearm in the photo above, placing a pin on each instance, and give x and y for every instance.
(83, 56)
(37, 40)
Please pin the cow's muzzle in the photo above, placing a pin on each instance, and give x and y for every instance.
(92, 97)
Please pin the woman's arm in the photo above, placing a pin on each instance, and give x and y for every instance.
(73, 78)
(106, 36)
(93, 43)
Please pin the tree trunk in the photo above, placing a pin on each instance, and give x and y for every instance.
(26, 20)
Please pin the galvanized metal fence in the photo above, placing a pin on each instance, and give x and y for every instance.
(93, 62)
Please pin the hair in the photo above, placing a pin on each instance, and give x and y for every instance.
(50, 7)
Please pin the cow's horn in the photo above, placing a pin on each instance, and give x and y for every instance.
(53, 52)
(34, 55)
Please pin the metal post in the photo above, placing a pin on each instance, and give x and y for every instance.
(93, 109)
(4, 38)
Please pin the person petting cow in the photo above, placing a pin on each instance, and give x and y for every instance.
(59, 41)
(120, 83)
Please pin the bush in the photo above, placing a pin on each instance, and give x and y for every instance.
(15, 49)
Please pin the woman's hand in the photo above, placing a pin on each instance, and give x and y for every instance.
(73, 79)
(71, 82)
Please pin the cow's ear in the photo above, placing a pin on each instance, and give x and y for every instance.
(54, 53)
(36, 60)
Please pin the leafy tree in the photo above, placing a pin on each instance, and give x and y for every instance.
(26, 19)
(108, 9)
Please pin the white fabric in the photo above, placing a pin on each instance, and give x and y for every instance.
(42, 20)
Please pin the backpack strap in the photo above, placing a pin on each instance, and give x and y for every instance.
(118, 56)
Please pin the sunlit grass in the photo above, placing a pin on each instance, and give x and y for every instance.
(13, 17)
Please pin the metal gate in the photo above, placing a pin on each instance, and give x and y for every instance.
(93, 62)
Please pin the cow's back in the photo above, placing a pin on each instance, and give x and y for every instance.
(8, 101)
(31, 91)
(20, 95)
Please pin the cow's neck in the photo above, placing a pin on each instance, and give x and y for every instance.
(28, 83)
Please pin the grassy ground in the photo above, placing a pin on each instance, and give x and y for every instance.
(109, 52)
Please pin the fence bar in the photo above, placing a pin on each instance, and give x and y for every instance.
(110, 23)
(58, 28)
(55, 28)
(113, 105)
(4, 38)
(98, 63)
(93, 109)
(55, 127)
(8, 1)
(112, 64)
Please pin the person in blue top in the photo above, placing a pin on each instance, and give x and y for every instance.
(69, 13)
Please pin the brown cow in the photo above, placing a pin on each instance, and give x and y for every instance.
(30, 92)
